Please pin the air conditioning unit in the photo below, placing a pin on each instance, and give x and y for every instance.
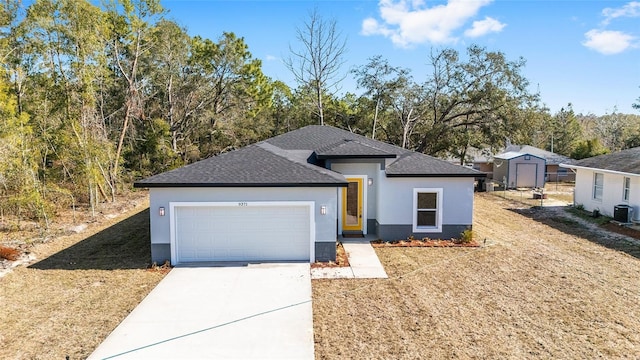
(622, 213)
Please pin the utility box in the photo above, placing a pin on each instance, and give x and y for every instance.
(622, 213)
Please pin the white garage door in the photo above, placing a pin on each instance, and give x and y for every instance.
(526, 175)
(241, 232)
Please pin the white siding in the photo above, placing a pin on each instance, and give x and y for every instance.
(395, 199)
(612, 192)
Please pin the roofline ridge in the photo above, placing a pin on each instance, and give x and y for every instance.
(305, 164)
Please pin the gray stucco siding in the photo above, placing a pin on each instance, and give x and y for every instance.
(402, 232)
(325, 225)
(370, 168)
(395, 199)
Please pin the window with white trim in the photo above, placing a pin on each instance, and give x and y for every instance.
(598, 185)
(626, 186)
(427, 210)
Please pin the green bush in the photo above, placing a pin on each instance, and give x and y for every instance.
(466, 236)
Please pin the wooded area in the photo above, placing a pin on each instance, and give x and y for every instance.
(94, 97)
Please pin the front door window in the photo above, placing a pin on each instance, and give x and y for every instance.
(351, 218)
(352, 205)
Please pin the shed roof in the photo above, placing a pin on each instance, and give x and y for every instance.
(551, 157)
(513, 154)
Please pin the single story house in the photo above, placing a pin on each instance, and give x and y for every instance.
(519, 170)
(608, 183)
(292, 196)
(553, 171)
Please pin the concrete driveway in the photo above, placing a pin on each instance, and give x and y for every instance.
(234, 312)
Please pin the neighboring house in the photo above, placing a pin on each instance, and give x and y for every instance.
(291, 197)
(605, 182)
(553, 171)
(519, 170)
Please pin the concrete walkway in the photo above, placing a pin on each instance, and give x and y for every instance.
(237, 312)
(363, 261)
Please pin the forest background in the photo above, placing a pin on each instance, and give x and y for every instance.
(93, 98)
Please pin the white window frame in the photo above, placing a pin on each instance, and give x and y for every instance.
(626, 188)
(597, 195)
(439, 202)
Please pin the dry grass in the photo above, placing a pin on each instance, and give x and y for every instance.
(78, 290)
(540, 288)
(558, 194)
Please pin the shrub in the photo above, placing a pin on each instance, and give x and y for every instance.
(466, 236)
(9, 253)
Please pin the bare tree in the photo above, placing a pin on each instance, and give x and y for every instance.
(317, 63)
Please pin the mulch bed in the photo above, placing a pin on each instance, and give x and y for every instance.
(623, 230)
(423, 243)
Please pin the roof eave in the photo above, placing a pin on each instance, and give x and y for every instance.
(479, 174)
(328, 157)
(232, 185)
(576, 167)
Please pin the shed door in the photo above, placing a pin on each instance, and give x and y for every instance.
(241, 232)
(526, 175)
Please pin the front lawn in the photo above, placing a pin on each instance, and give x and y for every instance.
(539, 288)
(79, 288)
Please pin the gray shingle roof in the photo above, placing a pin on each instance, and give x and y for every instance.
(626, 161)
(419, 165)
(249, 166)
(315, 137)
(289, 160)
(550, 157)
(351, 149)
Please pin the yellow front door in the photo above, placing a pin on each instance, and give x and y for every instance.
(352, 205)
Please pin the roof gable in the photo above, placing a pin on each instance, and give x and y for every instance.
(551, 157)
(513, 154)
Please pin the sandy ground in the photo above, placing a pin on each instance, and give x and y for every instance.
(542, 286)
(77, 287)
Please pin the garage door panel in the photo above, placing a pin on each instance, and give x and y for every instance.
(526, 175)
(224, 233)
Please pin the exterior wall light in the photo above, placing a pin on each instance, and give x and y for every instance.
(323, 210)
(161, 211)
(370, 181)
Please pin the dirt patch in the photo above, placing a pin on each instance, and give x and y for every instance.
(623, 230)
(341, 260)
(535, 290)
(79, 288)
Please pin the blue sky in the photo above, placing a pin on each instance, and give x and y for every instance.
(582, 52)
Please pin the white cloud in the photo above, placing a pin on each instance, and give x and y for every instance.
(271, 58)
(483, 27)
(631, 9)
(607, 42)
(408, 23)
